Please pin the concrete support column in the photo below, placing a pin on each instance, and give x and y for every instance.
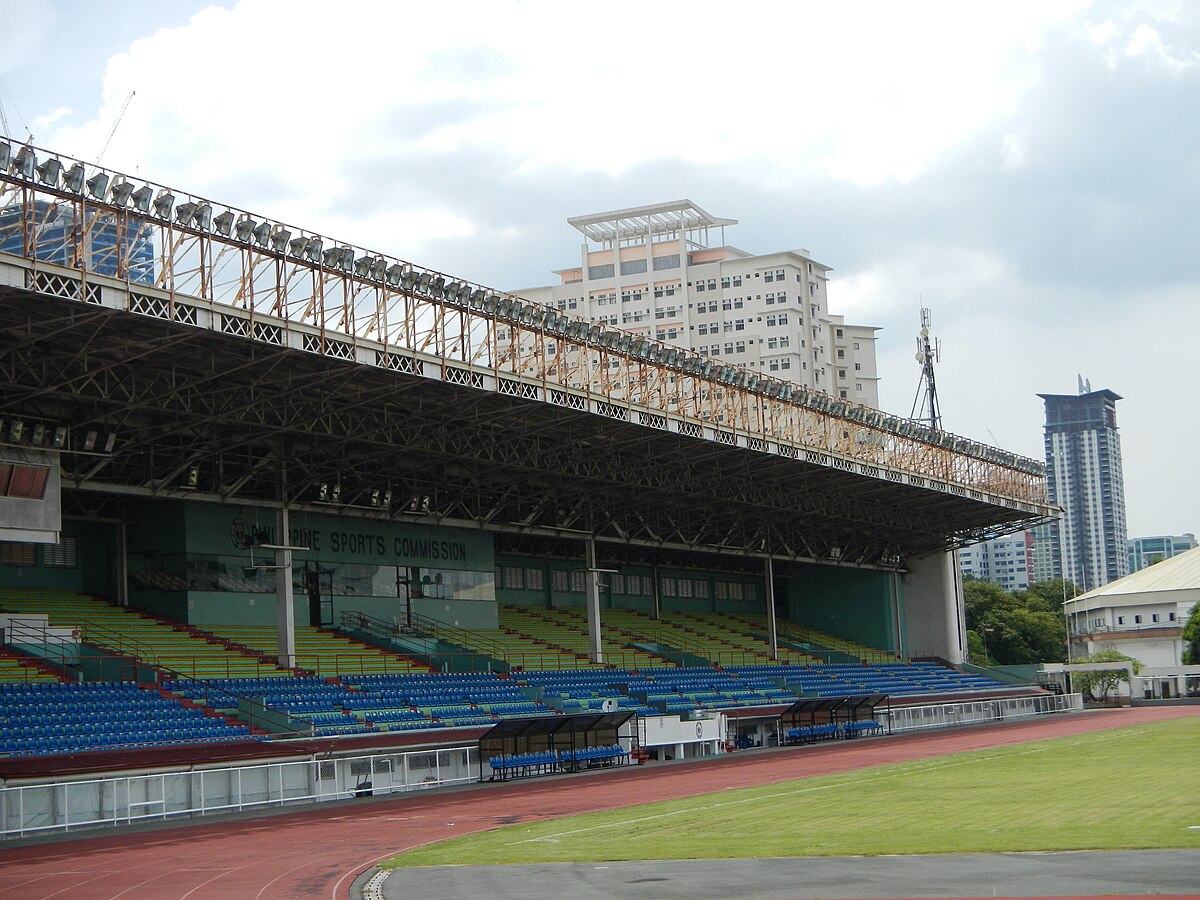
(592, 587)
(285, 617)
(933, 610)
(122, 565)
(772, 633)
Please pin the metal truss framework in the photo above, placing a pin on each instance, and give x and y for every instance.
(238, 360)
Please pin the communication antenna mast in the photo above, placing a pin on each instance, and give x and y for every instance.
(120, 116)
(925, 404)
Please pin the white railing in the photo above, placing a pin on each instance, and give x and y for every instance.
(38, 808)
(971, 712)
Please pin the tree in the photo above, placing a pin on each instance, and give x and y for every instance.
(1014, 629)
(1100, 684)
(1191, 638)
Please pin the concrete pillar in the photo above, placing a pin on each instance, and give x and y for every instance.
(285, 616)
(933, 613)
(772, 634)
(592, 588)
(122, 565)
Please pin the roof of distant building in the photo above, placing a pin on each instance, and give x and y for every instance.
(1177, 573)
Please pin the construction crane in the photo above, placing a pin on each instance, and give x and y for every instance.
(120, 116)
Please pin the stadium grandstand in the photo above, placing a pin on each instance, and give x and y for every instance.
(264, 495)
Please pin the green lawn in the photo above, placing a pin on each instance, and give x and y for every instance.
(1127, 788)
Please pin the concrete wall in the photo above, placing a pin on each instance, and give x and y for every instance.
(933, 608)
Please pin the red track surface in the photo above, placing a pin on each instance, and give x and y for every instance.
(318, 852)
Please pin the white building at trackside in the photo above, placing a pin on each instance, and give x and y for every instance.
(652, 270)
(1142, 615)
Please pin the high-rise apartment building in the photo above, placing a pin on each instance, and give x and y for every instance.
(54, 233)
(1083, 461)
(1006, 561)
(654, 271)
(1146, 551)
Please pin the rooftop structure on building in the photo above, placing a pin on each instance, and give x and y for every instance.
(664, 271)
(1084, 477)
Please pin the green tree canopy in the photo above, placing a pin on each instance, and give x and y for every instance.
(1191, 638)
(1101, 684)
(1015, 628)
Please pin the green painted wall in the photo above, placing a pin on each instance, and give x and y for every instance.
(94, 573)
(205, 549)
(851, 603)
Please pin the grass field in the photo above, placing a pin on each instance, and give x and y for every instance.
(1127, 788)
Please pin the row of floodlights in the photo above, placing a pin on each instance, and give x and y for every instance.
(279, 239)
(22, 431)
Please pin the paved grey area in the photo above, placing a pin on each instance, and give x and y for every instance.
(1075, 874)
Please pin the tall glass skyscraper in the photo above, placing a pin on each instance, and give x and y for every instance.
(1083, 462)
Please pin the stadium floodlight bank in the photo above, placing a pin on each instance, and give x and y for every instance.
(258, 276)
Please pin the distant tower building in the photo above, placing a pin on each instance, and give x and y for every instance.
(1146, 551)
(1083, 461)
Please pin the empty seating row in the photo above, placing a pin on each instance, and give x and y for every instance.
(548, 762)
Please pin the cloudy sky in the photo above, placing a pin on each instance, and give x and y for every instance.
(1030, 171)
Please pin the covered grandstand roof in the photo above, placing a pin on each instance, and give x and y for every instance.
(272, 366)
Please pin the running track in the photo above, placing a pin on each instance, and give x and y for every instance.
(318, 852)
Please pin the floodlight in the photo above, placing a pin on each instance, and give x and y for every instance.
(410, 279)
(49, 171)
(395, 272)
(477, 298)
(60, 437)
(26, 163)
(387, 498)
(438, 286)
(489, 304)
(280, 238)
(625, 343)
(376, 500)
(452, 289)
(193, 477)
(332, 258)
(296, 246)
(464, 294)
(121, 192)
(184, 212)
(312, 249)
(141, 198)
(362, 266)
(323, 492)
(423, 281)
(15, 431)
(97, 185)
(336, 494)
(39, 434)
(5, 155)
(202, 217)
(110, 442)
(223, 225)
(504, 307)
(346, 261)
(261, 232)
(752, 383)
(73, 180)
(163, 204)
(89, 441)
(379, 268)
